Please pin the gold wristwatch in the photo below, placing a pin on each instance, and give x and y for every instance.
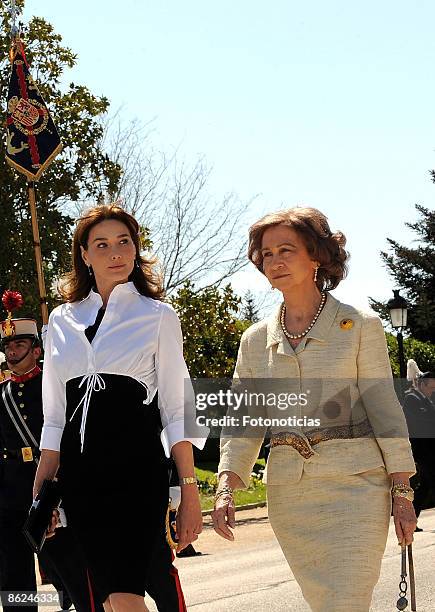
(188, 480)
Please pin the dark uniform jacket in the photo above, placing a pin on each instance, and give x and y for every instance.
(420, 417)
(17, 476)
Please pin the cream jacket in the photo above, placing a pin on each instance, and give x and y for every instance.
(342, 367)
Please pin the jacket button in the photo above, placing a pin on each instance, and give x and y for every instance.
(21, 385)
(20, 393)
(21, 405)
(25, 417)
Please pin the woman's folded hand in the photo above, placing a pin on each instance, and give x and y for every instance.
(224, 516)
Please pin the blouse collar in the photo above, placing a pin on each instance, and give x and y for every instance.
(122, 288)
(82, 314)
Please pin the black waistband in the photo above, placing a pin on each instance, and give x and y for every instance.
(14, 454)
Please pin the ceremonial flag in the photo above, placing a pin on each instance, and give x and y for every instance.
(32, 138)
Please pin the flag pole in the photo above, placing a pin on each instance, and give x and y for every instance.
(31, 192)
(38, 254)
(32, 139)
(32, 202)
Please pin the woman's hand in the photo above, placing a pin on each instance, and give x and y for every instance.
(189, 517)
(47, 469)
(224, 513)
(405, 520)
(224, 516)
(37, 487)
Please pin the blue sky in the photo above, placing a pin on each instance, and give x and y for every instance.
(328, 104)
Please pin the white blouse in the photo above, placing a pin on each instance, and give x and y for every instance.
(138, 337)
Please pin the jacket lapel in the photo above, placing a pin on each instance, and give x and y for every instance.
(319, 332)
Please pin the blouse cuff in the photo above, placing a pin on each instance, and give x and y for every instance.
(51, 437)
(174, 432)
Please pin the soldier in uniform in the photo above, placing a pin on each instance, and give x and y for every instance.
(419, 410)
(21, 421)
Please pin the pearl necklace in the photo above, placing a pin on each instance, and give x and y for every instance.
(305, 332)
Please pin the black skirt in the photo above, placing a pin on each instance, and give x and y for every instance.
(115, 492)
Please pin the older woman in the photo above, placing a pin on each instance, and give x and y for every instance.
(109, 350)
(328, 485)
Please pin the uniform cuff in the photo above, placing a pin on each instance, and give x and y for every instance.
(51, 437)
(175, 432)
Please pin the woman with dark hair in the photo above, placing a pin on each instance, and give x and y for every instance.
(329, 479)
(109, 349)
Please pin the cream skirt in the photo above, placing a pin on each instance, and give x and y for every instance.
(333, 531)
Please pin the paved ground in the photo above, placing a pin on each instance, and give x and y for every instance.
(251, 575)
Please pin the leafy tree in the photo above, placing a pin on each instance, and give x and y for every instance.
(249, 311)
(81, 171)
(413, 269)
(211, 340)
(196, 237)
(211, 330)
(422, 352)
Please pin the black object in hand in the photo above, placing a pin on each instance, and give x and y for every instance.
(40, 514)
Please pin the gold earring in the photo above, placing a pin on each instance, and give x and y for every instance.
(315, 273)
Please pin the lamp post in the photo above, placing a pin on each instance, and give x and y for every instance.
(398, 308)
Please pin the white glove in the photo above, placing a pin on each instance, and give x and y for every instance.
(175, 495)
(61, 521)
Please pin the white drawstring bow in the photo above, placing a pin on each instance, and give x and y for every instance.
(94, 382)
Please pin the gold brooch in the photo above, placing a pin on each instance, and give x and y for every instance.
(346, 324)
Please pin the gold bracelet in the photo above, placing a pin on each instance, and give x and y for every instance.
(188, 480)
(403, 490)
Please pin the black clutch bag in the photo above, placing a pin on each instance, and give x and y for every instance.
(40, 514)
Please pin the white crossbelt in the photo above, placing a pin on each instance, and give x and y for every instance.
(7, 388)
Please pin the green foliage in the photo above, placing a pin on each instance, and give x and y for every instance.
(413, 270)
(207, 484)
(422, 352)
(211, 330)
(82, 170)
(249, 308)
(207, 481)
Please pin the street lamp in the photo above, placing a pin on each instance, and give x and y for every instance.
(398, 308)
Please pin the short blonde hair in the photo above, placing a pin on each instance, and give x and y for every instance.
(322, 245)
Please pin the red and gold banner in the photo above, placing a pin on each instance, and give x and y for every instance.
(32, 138)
